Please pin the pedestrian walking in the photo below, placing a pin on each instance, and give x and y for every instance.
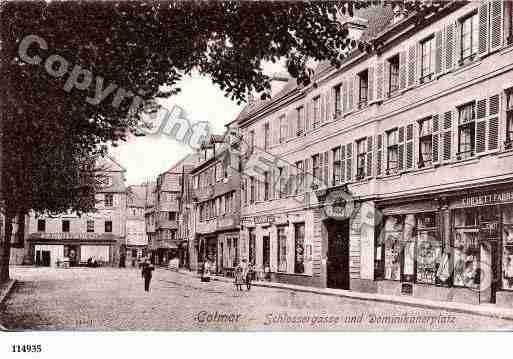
(243, 275)
(147, 268)
(239, 279)
(207, 267)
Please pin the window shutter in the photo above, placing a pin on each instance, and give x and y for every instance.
(322, 104)
(345, 105)
(493, 122)
(379, 81)
(369, 157)
(435, 139)
(379, 154)
(457, 43)
(371, 84)
(327, 161)
(449, 47)
(447, 136)
(386, 80)
(356, 89)
(349, 159)
(481, 126)
(292, 121)
(329, 110)
(483, 29)
(402, 70)
(308, 175)
(320, 178)
(400, 149)
(438, 52)
(496, 25)
(409, 146)
(350, 95)
(342, 164)
(412, 62)
(308, 115)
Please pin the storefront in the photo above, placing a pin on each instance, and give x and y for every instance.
(456, 247)
(73, 249)
(228, 252)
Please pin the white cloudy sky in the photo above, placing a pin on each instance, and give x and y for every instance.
(145, 157)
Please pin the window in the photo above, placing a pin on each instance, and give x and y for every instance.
(427, 58)
(41, 225)
(361, 153)
(65, 225)
(316, 167)
(431, 269)
(466, 248)
(393, 63)
(316, 111)
(364, 88)
(469, 31)
(282, 249)
(266, 136)
(508, 17)
(300, 176)
(252, 190)
(283, 128)
(299, 248)
(425, 143)
(466, 130)
(108, 226)
(244, 191)
(509, 118)
(338, 100)
(392, 152)
(171, 216)
(266, 185)
(90, 225)
(109, 200)
(300, 120)
(251, 141)
(336, 166)
(283, 182)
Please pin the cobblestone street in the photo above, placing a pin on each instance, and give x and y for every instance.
(114, 299)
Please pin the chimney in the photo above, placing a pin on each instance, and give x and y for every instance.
(278, 81)
(354, 24)
(400, 13)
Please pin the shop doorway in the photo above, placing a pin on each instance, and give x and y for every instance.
(338, 254)
(266, 255)
(43, 258)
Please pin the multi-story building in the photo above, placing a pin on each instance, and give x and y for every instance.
(70, 238)
(136, 237)
(216, 196)
(149, 217)
(19, 253)
(393, 173)
(167, 196)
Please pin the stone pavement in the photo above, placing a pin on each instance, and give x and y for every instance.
(114, 299)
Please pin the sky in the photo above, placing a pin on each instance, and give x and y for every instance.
(146, 157)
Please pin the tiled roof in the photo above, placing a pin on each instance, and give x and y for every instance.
(136, 195)
(377, 19)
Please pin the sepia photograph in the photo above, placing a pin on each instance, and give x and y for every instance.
(255, 166)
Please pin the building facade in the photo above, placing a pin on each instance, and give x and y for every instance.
(72, 239)
(216, 197)
(393, 173)
(136, 237)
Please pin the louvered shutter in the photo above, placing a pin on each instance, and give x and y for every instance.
(308, 115)
(386, 79)
(320, 178)
(371, 83)
(308, 175)
(481, 126)
(322, 104)
(493, 122)
(349, 159)
(409, 146)
(496, 25)
(292, 120)
(379, 154)
(345, 105)
(457, 43)
(483, 29)
(356, 88)
(368, 170)
(447, 136)
(438, 52)
(435, 142)
(342, 164)
(449, 47)
(400, 149)
(328, 111)
(379, 81)
(402, 70)
(327, 161)
(412, 62)
(350, 95)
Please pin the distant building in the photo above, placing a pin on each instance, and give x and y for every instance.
(71, 239)
(136, 236)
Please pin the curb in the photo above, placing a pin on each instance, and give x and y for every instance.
(498, 312)
(3, 296)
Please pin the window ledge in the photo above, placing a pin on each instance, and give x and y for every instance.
(506, 153)
(391, 177)
(467, 66)
(419, 171)
(361, 182)
(465, 162)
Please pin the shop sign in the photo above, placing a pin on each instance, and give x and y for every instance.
(489, 231)
(70, 236)
(225, 222)
(264, 219)
(246, 221)
(487, 199)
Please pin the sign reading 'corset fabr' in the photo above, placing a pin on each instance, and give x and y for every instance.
(490, 198)
(71, 235)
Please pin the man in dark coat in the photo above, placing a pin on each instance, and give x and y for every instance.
(147, 268)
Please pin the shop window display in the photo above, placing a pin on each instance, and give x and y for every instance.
(430, 264)
(392, 235)
(282, 249)
(507, 240)
(466, 248)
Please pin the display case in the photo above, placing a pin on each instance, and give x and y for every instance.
(507, 245)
